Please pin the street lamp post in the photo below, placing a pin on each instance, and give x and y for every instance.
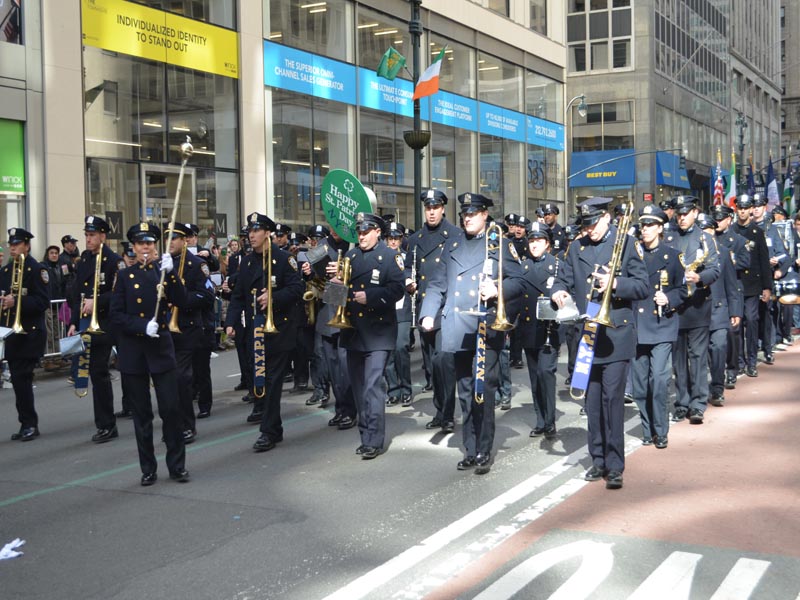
(567, 139)
(741, 123)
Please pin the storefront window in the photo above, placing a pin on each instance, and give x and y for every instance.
(216, 12)
(451, 160)
(500, 162)
(543, 97)
(11, 21)
(318, 27)
(457, 74)
(499, 82)
(384, 157)
(114, 186)
(544, 178)
(375, 33)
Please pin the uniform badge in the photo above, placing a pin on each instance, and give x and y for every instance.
(120, 265)
(376, 277)
(513, 251)
(639, 250)
(45, 276)
(204, 268)
(399, 260)
(549, 267)
(293, 262)
(102, 278)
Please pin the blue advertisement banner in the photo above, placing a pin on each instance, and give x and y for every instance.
(455, 111)
(382, 94)
(545, 133)
(306, 73)
(619, 171)
(501, 122)
(669, 172)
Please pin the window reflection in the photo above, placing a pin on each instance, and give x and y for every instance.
(375, 33)
(11, 21)
(315, 26)
(384, 156)
(457, 74)
(500, 162)
(499, 82)
(216, 12)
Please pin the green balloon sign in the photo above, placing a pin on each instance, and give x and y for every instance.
(343, 197)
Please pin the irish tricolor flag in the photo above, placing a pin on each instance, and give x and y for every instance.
(428, 83)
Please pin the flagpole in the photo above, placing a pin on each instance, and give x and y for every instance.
(415, 29)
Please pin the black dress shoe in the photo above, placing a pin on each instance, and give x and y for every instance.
(582, 411)
(679, 414)
(392, 400)
(448, 427)
(323, 400)
(334, 422)
(466, 463)
(769, 359)
(536, 432)
(741, 371)
(696, 416)
(628, 398)
(255, 417)
(550, 433)
(249, 398)
(263, 443)
(204, 413)
(105, 435)
(239, 387)
(730, 381)
(347, 423)
(717, 400)
(148, 479)
(288, 377)
(406, 399)
(433, 424)
(646, 441)
(370, 452)
(614, 480)
(483, 464)
(505, 402)
(594, 473)
(661, 442)
(517, 364)
(25, 434)
(428, 387)
(181, 476)
(360, 449)
(314, 398)
(751, 371)
(124, 414)
(188, 436)
(299, 387)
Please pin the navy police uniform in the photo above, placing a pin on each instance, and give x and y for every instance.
(23, 351)
(142, 357)
(379, 272)
(398, 369)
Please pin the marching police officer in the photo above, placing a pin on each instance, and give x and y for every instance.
(320, 376)
(376, 285)
(457, 288)
(398, 369)
(25, 295)
(557, 232)
(146, 352)
(284, 291)
(83, 304)
(614, 347)
(425, 250)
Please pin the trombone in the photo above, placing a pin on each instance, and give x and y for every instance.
(173, 321)
(494, 243)
(16, 288)
(603, 316)
(262, 324)
(94, 325)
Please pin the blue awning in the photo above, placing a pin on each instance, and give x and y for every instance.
(669, 172)
(620, 170)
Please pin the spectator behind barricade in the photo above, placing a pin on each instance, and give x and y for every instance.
(69, 256)
(57, 271)
(58, 315)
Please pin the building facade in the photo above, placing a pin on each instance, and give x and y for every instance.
(790, 81)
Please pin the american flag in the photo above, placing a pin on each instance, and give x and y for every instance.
(719, 187)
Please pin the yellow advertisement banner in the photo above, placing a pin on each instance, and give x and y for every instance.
(153, 34)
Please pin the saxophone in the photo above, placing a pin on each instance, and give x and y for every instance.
(695, 264)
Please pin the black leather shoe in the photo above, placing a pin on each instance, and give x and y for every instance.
(661, 442)
(188, 436)
(181, 476)
(392, 400)
(582, 411)
(613, 480)
(406, 400)
(360, 449)
(299, 387)
(124, 414)
(239, 387)
(204, 413)
(741, 371)
(249, 398)
(448, 427)
(730, 381)
(628, 398)
(334, 422)
(105, 435)
(428, 387)
(288, 377)
(517, 364)
(483, 464)
(769, 359)
(751, 371)
(324, 399)
(696, 416)
(466, 463)
(255, 417)
(316, 398)
(536, 432)
(347, 423)
(550, 433)
(717, 400)
(369, 453)
(646, 441)
(594, 473)
(433, 424)
(263, 443)
(679, 414)
(148, 479)
(505, 403)
(25, 434)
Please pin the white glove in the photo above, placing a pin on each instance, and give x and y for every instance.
(166, 262)
(152, 329)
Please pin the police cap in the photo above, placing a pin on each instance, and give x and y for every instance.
(474, 202)
(92, 223)
(144, 232)
(433, 197)
(18, 234)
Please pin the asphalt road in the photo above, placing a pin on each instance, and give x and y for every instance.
(310, 519)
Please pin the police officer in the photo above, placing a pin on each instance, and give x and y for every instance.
(286, 289)
(614, 347)
(756, 283)
(456, 288)
(557, 232)
(190, 335)
(320, 378)
(690, 355)
(376, 285)
(429, 241)
(146, 352)
(83, 304)
(539, 338)
(668, 206)
(281, 235)
(23, 350)
(726, 312)
(240, 339)
(657, 324)
(398, 368)
(301, 357)
(129, 258)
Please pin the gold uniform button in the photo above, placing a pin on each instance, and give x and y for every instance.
(131, 275)
(135, 285)
(138, 301)
(527, 318)
(641, 310)
(141, 314)
(360, 314)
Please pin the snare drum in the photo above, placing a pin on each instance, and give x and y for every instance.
(787, 290)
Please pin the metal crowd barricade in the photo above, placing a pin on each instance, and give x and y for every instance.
(57, 322)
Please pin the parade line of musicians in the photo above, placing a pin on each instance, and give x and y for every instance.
(684, 295)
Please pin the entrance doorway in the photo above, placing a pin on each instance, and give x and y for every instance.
(158, 194)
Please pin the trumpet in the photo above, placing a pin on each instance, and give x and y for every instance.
(173, 321)
(343, 272)
(94, 325)
(603, 316)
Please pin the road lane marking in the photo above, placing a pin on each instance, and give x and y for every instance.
(742, 579)
(672, 580)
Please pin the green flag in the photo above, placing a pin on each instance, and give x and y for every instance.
(390, 64)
